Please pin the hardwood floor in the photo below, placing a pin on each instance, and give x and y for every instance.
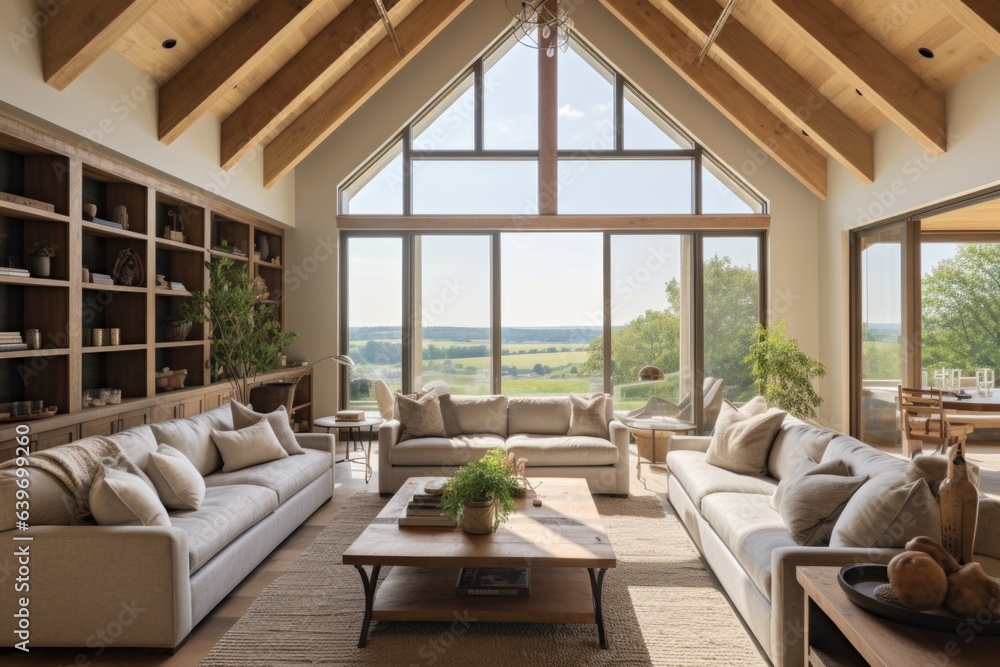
(350, 479)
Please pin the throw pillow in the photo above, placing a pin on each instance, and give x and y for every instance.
(243, 416)
(420, 417)
(741, 443)
(588, 415)
(178, 483)
(810, 506)
(887, 512)
(118, 498)
(248, 446)
(802, 468)
(415, 396)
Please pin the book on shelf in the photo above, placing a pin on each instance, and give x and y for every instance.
(434, 521)
(107, 223)
(350, 415)
(13, 347)
(5, 271)
(494, 581)
(178, 287)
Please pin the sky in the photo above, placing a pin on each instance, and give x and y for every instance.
(548, 279)
(881, 291)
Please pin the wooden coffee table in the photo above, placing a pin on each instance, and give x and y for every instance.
(563, 542)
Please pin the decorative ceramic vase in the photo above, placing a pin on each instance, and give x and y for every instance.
(262, 247)
(39, 266)
(959, 508)
(477, 518)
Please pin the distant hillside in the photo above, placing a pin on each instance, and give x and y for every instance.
(481, 334)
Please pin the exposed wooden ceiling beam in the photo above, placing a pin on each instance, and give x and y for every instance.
(982, 17)
(223, 63)
(355, 87)
(778, 140)
(78, 33)
(296, 81)
(891, 86)
(783, 87)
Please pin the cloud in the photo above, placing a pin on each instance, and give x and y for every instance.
(568, 111)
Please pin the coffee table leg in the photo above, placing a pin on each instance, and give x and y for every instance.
(369, 584)
(596, 584)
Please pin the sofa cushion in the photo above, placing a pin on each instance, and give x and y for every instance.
(741, 442)
(248, 446)
(796, 441)
(224, 515)
(243, 416)
(751, 529)
(285, 476)
(987, 527)
(860, 458)
(119, 498)
(178, 483)
(812, 504)
(474, 414)
(420, 417)
(887, 512)
(701, 479)
(587, 415)
(137, 443)
(543, 416)
(191, 438)
(562, 450)
(51, 502)
(443, 451)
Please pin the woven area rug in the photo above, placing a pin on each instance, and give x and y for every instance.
(660, 608)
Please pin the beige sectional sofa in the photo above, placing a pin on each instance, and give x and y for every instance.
(533, 428)
(147, 586)
(746, 543)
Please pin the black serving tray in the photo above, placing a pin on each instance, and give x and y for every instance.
(859, 583)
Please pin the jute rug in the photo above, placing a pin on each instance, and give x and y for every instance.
(660, 608)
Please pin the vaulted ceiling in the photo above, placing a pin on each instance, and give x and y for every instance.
(805, 79)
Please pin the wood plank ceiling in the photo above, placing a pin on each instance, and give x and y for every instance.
(805, 79)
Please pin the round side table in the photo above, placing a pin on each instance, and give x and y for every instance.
(668, 425)
(331, 423)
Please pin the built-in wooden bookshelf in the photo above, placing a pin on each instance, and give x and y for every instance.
(49, 187)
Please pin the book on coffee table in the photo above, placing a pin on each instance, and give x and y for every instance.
(494, 581)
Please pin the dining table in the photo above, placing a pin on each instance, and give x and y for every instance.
(972, 403)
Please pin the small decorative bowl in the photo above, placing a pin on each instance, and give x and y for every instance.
(177, 331)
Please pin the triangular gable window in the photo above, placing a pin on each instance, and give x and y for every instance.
(474, 150)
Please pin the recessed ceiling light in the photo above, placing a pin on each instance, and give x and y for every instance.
(169, 43)
(925, 52)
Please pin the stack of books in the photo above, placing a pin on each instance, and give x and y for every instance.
(101, 278)
(179, 287)
(11, 341)
(350, 415)
(494, 581)
(424, 509)
(19, 273)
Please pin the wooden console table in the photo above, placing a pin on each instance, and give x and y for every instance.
(839, 633)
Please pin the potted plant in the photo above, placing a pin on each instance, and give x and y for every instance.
(784, 374)
(246, 337)
(481, 494)
(39, 259)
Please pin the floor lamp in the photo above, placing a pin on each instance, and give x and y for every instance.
(270, 397)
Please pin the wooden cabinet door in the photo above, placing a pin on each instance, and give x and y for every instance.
(56, 437)
(102, 426)
(8, 450)
(162, 412)
(133, 419)
(191, 406)
(217, 399)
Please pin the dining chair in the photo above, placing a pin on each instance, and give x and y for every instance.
(923, 419)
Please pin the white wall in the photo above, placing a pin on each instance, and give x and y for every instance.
(113, 105)
(312, 291)
(907, 178)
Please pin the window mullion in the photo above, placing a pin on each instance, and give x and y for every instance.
(480, 116)
(548, 126)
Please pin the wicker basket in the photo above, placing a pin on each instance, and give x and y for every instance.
(177, 331)
(269, 397)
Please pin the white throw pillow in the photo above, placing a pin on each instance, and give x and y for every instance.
(118, 498)
(588, 415)
(420, 417)
(887, 512)
(178, 483)
(243, 416)
(248, 446)
(743, 437)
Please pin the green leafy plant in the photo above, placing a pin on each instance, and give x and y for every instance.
(43, 249)
(783, 373)
(491, 478)
(246, 337)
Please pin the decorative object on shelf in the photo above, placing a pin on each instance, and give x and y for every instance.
(248, 339)
(256, 255)
(161, 281)
(783, 373)
(959, 501)
(480, 496)
(101, 278)
(128, 269)
(231, 249)
(542, 24)
(277, 394)
(168, 380)
(85, 275)
(40, 255)
(27, 201)
(276, 260)
(33, 337)
(114, 336)
(260, 291)
(262, 247)
(177, 330)
(121, 215)
(89, 211)
(27, 416)
(175, 232)
(97, 337)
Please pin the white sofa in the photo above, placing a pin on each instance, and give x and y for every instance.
(533, 428)
(746, 543)
(142, 586)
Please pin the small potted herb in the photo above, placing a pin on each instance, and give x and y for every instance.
(39, 259)
(481, 494)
